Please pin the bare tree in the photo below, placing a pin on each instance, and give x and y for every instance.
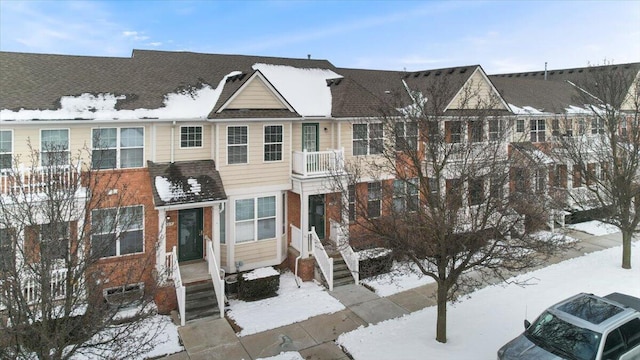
(606, 159)
(436, 188)
(58, 222)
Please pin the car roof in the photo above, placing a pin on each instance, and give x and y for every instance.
(593, 312)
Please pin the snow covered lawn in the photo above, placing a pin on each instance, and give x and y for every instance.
(292, 304)
(289, 355)
(594, 227)
(492, 316)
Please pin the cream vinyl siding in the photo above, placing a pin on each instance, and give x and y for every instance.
(163, 141)
(256, 171)
(223, 255)
(477, 90)
(325, 138)
(256, 251)
(256, 95)
(80, 140)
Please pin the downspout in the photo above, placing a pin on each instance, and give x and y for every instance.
(295, 272)
(173, 130)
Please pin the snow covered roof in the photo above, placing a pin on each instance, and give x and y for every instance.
(185, 182)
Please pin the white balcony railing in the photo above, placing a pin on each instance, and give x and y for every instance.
(32, 290)
(217, 274)
(318, 163)
(33, 180)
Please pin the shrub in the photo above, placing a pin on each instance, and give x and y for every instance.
(258, 284)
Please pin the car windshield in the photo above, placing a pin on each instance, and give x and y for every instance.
(562, 338)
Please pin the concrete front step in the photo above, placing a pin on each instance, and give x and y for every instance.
(201, 301)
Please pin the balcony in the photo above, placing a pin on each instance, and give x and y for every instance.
(309, 164)
(38, 180)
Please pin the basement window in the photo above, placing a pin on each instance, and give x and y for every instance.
(125, 295)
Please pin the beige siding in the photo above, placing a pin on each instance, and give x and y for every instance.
(257, 251)
(256, 95)
(79, 140)
(223, 255)
(257, 172)
(325, 138)
(477, 92)
(163, 143)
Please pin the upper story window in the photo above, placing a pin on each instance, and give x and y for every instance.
(453, 131)
(190, 136)
(406, 136)
(597, 126)
(7, 254)
(476, 133)
(117, 231)
(541, 180)
(374, 205)
(496, 130)
(6, 149)
(537, 130)
(351, 194)
(54, 240)
(118, 148)
(582, 126)
(273, 143)
(368, 139)
(237, 144)
(476, 191)
(54, 147)
(255, 219)
(520, 125)
(405, 195)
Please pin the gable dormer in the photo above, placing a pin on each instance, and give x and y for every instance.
(256, 93)
(477, 92)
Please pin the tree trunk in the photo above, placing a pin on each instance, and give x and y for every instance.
(626, 248)
(441, 325)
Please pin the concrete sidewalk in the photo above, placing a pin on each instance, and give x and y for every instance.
(314, 338)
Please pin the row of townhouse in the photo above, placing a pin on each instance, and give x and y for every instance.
(228, 158)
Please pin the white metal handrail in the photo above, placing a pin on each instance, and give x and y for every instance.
(310, 163)
(217, 274)
(324, 261)
(338, 236)
(181, 293)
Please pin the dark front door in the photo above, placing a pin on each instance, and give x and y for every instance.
(310, 137)
(316, 214)
(190, 234)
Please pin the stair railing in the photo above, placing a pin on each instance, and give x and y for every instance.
(339, 237)
(324, 261)
(217, 274)
(181, 293)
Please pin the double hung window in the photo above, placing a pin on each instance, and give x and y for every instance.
(273, 143)
(118, 148)
(405, 195)
(255, 219)
(237, 144)
(54, 240)
(54, 147)
(190, 136)
(374, 204)
(537, 130)
(368, 139)
(406, 136)
(6, 149)
(117, 231)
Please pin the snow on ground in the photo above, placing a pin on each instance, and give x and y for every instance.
(292, 304)
(407, 276)
(480, 325)
(289, 355)
(391, 283)
(594, 227)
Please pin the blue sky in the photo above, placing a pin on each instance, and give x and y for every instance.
(502, 36)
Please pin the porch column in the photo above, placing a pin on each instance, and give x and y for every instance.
(161, 248)
(304, 224)
(215, 231)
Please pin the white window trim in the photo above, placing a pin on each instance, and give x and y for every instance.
(368, 138)
(226, 134)
(118, 231)
(255, 218)
(378, 199)
(119, 148)
(201, 137)
(11, 150)
(537, 130)
(68, 144)
(273, 143)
